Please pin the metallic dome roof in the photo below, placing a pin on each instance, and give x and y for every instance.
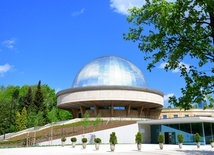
(109, 71)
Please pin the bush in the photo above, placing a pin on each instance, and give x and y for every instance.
(84, 140)
(180, 138)
(211, 140)
(73, 139)
(63, 139)
(197, 138)
(113, 138)
(160, 138)
(97, 140)
(138, 138)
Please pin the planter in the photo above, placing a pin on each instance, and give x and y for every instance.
(112, 147)
(212, 144)
(63, 144)
(198, 144)
(84, 145)
(73, 144)
(139, 147)
(97, 146)
(180, 145)
(161, 145)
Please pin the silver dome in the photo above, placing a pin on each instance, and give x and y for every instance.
(109, 71)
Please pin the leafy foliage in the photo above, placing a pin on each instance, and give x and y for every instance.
(138, 138)
(197, 137)
(160, 138)
(97, 140)
(73, 139)
(170, 32)
(86, 121)
(97, 121)
(113, 138)
(180, 138)
(19, 112)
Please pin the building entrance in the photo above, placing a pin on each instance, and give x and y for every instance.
(169, 137)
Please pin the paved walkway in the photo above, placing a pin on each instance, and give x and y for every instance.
(120, 149)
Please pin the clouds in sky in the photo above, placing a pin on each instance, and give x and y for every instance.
(77, 13)
(176, 70)
(122, 6)
(10, 43)
(4, 69)
(166, 97)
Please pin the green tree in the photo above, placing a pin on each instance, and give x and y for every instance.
(24, 119)
(40, 104)
(86, 121)
(21, 120)
(52, 115)
(39, 98)
(96, 122)
(18, 121)
(64, 115)
(170, 32)
(28, 99)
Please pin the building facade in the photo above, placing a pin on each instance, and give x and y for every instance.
(114, 87)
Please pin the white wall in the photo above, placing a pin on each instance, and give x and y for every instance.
(125, 134)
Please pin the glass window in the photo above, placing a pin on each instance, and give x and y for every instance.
(186, 115)
(164, 116)
(175, 116)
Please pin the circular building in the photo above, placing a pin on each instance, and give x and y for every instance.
(112, 87)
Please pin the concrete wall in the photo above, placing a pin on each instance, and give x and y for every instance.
(125, 135)
(146, 133)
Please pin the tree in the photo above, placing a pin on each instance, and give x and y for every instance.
(170, 32)
(96, 122)
(18, 121)
(39, 98)
(28, 99)
(86, 121)
(24, 119)
(21, 120)
(39, 102)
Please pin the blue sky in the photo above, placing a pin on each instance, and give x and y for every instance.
(51, 40)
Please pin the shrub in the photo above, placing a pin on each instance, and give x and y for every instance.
(113, 138)
(138, 138)
(211, 140)
(197, 138)
(180, 138)
(84, 140)
(97, 140)
(73, 139)
(160, 138)
(63, 139)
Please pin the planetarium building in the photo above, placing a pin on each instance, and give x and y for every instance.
(111, 86)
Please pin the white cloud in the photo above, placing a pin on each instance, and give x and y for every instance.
(166, 97)
(162, 65)
(57, 90)
(9, 43)
(176, 70)
(4, 69)
(122, 6)
(77, 13)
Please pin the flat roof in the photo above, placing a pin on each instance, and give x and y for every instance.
(178, 120)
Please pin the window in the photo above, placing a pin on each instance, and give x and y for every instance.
(164, 116)
(186, 115)
(175, 116)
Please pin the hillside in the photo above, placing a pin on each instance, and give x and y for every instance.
(57, 131)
